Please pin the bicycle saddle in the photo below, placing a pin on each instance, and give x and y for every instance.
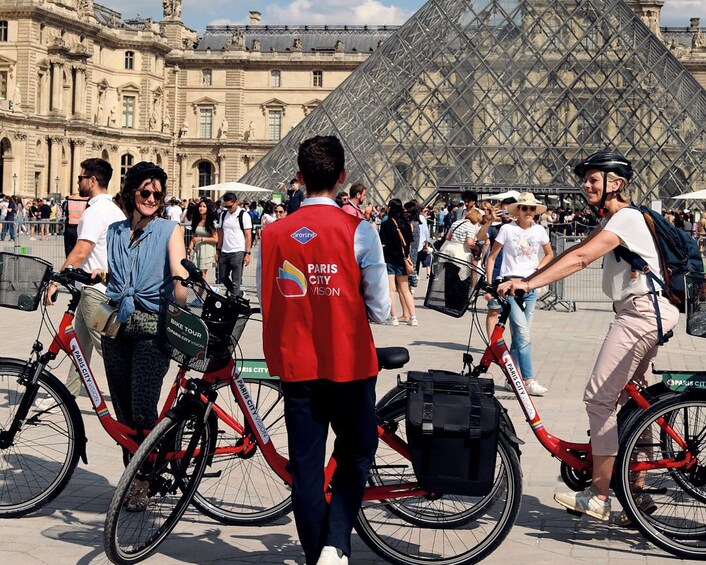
(392, 357)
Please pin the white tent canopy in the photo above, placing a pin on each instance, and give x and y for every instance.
(698, 195)
(244, 191)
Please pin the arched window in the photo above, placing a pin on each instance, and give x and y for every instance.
(125, 163)
(205, 173)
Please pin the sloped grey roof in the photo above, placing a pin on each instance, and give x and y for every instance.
(313, 38)
(106, 16)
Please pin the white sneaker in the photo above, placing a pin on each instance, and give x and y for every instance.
(412, 321)
(586, 502)
(535, 389)
(644, 503)
(332, 556)
(392, 321)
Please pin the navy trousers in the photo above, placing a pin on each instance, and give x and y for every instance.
(309, 408)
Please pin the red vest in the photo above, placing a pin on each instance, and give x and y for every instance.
(315, 325)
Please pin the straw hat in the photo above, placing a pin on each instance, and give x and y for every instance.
(526, 199)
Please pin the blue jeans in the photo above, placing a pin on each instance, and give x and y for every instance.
(520, 322)
(8, 227)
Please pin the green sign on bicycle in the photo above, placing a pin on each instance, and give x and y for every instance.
(254, 369)
(186, 332)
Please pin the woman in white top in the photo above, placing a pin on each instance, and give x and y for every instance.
(268, 214)
(632, 340)
(520, 242)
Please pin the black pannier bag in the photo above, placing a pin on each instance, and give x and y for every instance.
(452, 430)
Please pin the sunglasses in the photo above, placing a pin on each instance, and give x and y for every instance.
(279, 211)
(527, 208)
(84, 177)
(144, 193)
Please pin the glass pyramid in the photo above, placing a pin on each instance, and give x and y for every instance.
(509, 94)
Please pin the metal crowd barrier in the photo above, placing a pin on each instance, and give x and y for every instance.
(584, 286)
(45, 239)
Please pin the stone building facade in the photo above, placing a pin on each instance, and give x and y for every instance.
(78, 81)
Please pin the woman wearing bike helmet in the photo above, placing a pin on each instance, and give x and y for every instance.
(143, 252)
(631, 343)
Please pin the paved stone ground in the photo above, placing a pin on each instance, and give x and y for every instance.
(565, 345)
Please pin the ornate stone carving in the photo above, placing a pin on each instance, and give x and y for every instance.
(255, 44)
(297, 44)
(171, 9)
(340, 46)
(19, 135)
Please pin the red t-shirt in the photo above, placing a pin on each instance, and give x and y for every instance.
(315, 324)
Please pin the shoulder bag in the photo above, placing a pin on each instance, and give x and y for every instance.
(408, 265)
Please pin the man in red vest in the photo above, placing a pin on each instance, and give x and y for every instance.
(321, 276)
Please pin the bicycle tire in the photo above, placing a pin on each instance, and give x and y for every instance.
(242, 489)
(439, 529)
(44, 453)
(130, 537)
(678, 525)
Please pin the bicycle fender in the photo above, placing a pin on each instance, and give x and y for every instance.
(508, 428)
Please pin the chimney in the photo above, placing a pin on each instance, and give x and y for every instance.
(695, 22)
(254, 18)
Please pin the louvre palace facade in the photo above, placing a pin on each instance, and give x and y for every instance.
(485, 93)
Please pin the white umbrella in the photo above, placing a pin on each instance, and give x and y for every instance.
(243, 191)
(698, 195)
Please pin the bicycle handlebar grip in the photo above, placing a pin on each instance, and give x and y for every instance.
(193, 270)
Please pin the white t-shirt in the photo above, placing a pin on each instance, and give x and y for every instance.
(93, 227)
(629, 225)
(520, 249)
(175, 213)
(233, 236)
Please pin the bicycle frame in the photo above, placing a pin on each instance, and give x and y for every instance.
(65, 340)
(568, 452)
(279, 463)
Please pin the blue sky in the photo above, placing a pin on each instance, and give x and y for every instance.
(197, 14)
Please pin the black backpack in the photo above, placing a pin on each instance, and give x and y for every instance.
(679, 256)
(240, 219)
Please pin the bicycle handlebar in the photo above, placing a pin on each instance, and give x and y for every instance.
(69, 276)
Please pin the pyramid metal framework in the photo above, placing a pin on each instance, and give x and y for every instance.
(509, 94)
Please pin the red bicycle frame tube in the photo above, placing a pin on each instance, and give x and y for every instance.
(65, 340)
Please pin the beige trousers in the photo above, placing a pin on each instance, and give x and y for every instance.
(88, 338)
(626, 354)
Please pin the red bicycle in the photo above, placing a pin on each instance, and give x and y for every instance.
(399, 520)
(42, 435)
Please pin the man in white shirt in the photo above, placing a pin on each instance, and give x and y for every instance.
(174, 211)
(234, 243)
(89, 253)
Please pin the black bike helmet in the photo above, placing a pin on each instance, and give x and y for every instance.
(607, 162)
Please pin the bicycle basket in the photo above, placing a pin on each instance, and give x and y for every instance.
(450, 285)
(695, 304)
(198, 337)
(22, 281)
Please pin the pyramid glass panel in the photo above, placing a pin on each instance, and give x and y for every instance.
(501, 94)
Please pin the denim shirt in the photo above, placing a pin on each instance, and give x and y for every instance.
(147, 258)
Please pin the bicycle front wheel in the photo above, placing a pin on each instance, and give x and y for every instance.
(651, 462)
(443, 529)
(241, 488)
(171, 461)
(37, 461)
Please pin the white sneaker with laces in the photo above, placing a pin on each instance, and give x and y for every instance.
(392, 321)
(644, 503)
(412, 321)
(332, 556)
(534, 388)
(586, 502)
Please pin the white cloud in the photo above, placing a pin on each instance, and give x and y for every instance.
(678, 12)
(335, 12)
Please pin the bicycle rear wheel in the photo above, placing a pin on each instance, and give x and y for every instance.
(172, 459)
(241, 488)
(38, 461)
(678, 524)
(447, 529)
